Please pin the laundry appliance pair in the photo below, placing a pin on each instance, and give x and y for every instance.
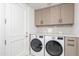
(46, 45)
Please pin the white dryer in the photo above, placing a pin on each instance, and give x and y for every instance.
(37, 45)
(54, 45)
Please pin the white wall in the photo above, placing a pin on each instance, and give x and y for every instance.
(76, 20)
(54, 29)
(65, 29)
(32, 28)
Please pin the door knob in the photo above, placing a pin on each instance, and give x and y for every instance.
(26, 36)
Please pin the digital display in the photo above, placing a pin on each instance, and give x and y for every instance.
(40, 36)
(60, 38)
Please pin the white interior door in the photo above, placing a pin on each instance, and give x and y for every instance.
(2, 29)
(15, 30)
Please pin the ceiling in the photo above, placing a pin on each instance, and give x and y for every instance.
(41, 5)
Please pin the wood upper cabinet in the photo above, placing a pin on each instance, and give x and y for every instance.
(70, 46)
(60, 14)
(67, 13)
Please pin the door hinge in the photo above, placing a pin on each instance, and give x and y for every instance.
(5, 42)
(5, 21)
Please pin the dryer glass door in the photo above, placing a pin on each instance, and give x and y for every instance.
(36, 45)
(54, 48)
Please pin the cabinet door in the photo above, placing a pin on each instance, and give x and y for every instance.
(70, 46)
(46, 16)
(38, 16)
(67, 13)
(2, 29)
(54, 15)
(42, 16)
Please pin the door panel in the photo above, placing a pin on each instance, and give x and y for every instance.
(2, 29)
(15, 30)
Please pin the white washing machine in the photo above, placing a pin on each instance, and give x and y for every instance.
(54, 45)
(37, 45)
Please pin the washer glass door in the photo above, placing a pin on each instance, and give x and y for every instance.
(54, 48)
(36, 45)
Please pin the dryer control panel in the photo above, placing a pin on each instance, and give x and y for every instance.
(40, 36)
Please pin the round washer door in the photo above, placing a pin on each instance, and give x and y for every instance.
(36, 45)
(54, 48)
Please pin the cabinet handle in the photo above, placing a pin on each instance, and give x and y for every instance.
(70, 40)
(5, 42)
(41, 22)
(60, 20)
(70, 44)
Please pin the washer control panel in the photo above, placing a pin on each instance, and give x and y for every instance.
(60, 38)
